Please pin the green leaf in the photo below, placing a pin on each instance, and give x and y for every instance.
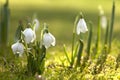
(106, 34)
(30, 65)
(73, 42)
(89, 40)
(75, 52)
(41, 67)
(79, 53)
(66, 54)
(18, 32)
(111, 25)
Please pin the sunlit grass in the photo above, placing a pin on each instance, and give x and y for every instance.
(55, 69)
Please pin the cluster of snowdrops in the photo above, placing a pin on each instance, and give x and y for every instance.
(35, 51)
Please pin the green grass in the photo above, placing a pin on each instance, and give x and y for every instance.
(57, 68)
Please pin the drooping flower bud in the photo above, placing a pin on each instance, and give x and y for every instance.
(37, 24)
(48, 40)
(103, 21)
(29, 34)
(18, 48)
(81, 26)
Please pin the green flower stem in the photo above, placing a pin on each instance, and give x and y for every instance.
(89, 41)
(41, 60)
(26, 49)
(79, 53)
(73, 40)
(111, 26)
(98, 35)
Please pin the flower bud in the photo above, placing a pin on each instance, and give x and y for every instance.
(103, 21)
(37, 24)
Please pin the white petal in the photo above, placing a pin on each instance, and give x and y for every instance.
(48, 40)
(34, 37)
(78, 29)
(103, 22)
(17, 48)
(21, 47)
(14, 48)
(53, 39)
(29, 35)
(81, 26)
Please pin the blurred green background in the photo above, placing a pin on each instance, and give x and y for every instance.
(60, 15)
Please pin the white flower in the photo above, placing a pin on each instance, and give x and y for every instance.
(103, 21)
(18, 48)
(37, 24)
(48, 40)
(29, 34)
(81, 26)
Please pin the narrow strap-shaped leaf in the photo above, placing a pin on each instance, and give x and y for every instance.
(74, 35)
(79, 53)
(66, 54)
(75, 53)
(73, 42)
(106, 34)
(111, 25)
(18, 31)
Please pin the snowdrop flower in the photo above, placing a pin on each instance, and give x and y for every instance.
(18, 48)
(37, 24)
(29, 34)
(48, 40)
(81, 26)
(103, 21)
